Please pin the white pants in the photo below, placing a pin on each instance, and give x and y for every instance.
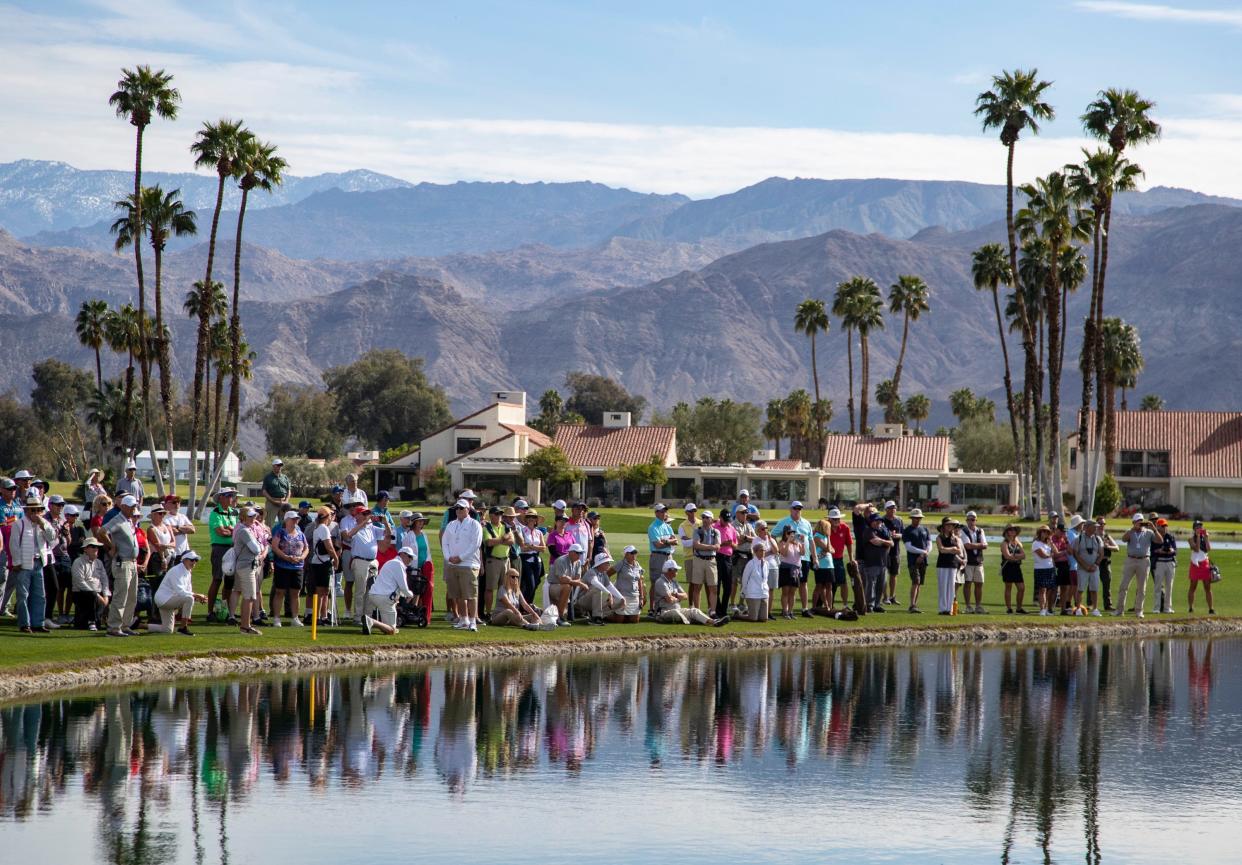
(383, 608)
(946, 585)
(1136, 570)
(176, 605)
(1163, 577)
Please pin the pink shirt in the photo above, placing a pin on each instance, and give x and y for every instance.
(728, 537)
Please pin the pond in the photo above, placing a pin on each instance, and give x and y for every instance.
(1113, 752)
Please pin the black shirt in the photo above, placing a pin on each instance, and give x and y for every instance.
(943, 559)
(873, 554)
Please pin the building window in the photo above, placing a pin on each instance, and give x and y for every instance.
(978, 494)
(679, 490)
(1144, 497)
(1073, 458)
(465, 445)
(880, 491)
(1143, 464)
(918, 492)
(844, 492)
(719, 489)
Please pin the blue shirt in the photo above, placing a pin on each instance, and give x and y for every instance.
(1071, 536)
(802, 527)
(658, 530)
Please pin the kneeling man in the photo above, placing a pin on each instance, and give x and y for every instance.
(668, 597)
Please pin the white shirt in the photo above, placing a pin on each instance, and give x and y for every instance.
(1041, 563)
(177, 583)
(755, 579)
(462, 538)
(322, 533)
(175, 522)
(31, 545)
(89, 576)
(365, 542)
(391, 580)
(358, 495)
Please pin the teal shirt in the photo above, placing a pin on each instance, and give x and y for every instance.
(655, 532)
(802, 527)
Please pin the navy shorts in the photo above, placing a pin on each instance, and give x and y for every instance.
(838, 572)
(825, 577)
(788, 576)
(1045, 578)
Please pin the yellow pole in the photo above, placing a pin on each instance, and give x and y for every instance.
(315, 621)
(312, 690)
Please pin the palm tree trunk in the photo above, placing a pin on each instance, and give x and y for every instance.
(234, 412)
(1088, 354)
(1055, 354)
(103, 430)
(891, 409)
(849, 357)
(1110, 428)
(1098, 312)
(201, 359)
(144, 356)
(163, 359)
(1009, 403)
(865, 357)
(127, 420)
(819, 417)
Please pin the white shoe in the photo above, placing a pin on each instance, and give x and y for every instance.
(1141, 615)
(275, 621)
(50, 625)
(1170, 610)
(1043, 612)
(1096, 612)
(460, 626)
(297, 622)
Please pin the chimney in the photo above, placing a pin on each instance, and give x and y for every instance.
(512, 397)
(616, 419)
(889, 431)
(762, 455)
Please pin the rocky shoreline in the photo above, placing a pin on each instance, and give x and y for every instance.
(33, 682)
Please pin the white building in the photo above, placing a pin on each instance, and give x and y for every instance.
(181, 460)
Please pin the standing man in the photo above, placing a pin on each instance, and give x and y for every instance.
(704, 572)
(685, 532)
(461, 542)
(498, 540)
(974, 541)
(842, 543)
(917, 541)
(875, 549)
(32, 538)
(128, 485)
(1088, 549)
(742, 554)
(896, 530)
(220, 524)
(804, 529)
(276, 488)
(1106, 563)
(123, 544)
(660, 543)
(353, 494)
(1138, 547)
(364, 538)
(743, 502)
(1164, 554)
(10, 512)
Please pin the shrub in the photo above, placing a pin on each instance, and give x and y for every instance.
(1107, 496)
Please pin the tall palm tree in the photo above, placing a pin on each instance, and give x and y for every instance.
(990, 269)
(163, 215)
(908, 296)
(799, 422)
(1053, 214)
(215, 147)
(866, 315)
(811, 318)
(91, 325)
(215, 306)
(841, 301)
(1016, 103)
(886, 395)
(774, 424)
(258, 167)
(1124, 361)
(918, 407)
(142, 94)
(220, 350)
(124, 334)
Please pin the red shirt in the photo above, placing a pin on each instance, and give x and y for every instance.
(839, 538)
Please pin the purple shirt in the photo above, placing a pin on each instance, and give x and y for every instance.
(558, 544)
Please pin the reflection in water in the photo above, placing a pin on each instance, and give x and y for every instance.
(1036, 743)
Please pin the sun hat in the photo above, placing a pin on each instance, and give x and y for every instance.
(1075, 521)
(602, 559)
(22, 475)
(34, 501)
(417, 516)
(157, 509)
(406, 551)
(55, 500)
(916, 514)
(575, 548)
(467, 494)
(834, 514)
(91, 542)
(530, 512)
(671, 565)
(129, 502)
(405, 515)
(948, 521)
(130, 466)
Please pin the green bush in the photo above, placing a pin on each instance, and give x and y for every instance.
(1107, 496)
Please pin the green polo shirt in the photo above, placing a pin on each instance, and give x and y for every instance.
(222, 518)
(276, 485)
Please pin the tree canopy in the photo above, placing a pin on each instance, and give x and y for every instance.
(385, 399)
(300, 420)
(592, 395)
(714, 431)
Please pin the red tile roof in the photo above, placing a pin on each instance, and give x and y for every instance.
(1201, 444)
(908, 453)
(784, 465)
(537, 438)
(607, 447)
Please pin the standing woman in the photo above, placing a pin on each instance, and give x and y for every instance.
(531, 544)
(248, 564)
(724, 563)
(1200, 566)
(1012, 556)
(824, 594)
(949, 558)
(93, 488)
(1045, 570)
(755, 585)
(162, 543)
(289, 549)
(1164, 555)
(1060, 561)
(324, 562)
(790, 549)
(99, 507)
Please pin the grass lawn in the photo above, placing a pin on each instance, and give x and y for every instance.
(67, 647)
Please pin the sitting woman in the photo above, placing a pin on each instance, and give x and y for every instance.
(630, 580)
(512, 609)
(755, 584)
(176, 596)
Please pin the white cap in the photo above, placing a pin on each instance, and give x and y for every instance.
(190, 555)
(129, 502)
(671, 565)
(559, 505)
(405, 514)
(292, 514)
(630, 549)
(793, 505)
(660, 506)
(406, 551)
(1137, 518)
(691, 506)
(834, 514)
(602, 559)
(461, 503)
(890, 504)
(743, 493)
(971, 515)
(575, 548)
(467, 494)
(71, 510)
(1075, 521)
(22, 475)
(916, 514)
(521, 503)
(249, 512)
(707, 514)
(277, 461)
(129, 465)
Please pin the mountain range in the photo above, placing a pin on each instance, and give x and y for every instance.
(675, 298)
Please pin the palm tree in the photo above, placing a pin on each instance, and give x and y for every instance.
(258, 167)
(799, 422)
(866, 315)
(841, 301)
(908, 296)
(990, 269)
(1151, 402)
(886, 395)
(811, 318)
(774, 424)
(215, 306)
(1124, 361)
(215, 147)
(1053, 215)
(918, 407)
(124, 334)
(221, 351)
(107, 409)
(141, 94)
(91, 325)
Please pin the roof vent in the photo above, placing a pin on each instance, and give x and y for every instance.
(762, 455)
(889, 431)
(616, 419)
(513, 397)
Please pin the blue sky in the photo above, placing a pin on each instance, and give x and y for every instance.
(694, 97)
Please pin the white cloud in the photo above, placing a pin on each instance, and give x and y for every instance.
(1161, 12)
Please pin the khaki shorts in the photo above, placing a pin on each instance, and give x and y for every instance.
(494, 571)
(506, 617)
(703, 571)
(462, 581)
(360, 570)
(974, 573)
(246, 581)
(383, 608)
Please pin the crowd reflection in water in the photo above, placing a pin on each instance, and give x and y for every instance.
(1026, 722)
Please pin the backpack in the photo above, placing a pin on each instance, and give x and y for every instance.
(228, 565)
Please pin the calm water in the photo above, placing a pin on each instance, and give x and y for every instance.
(1105, 753)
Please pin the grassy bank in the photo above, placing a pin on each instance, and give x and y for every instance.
(67, 648)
